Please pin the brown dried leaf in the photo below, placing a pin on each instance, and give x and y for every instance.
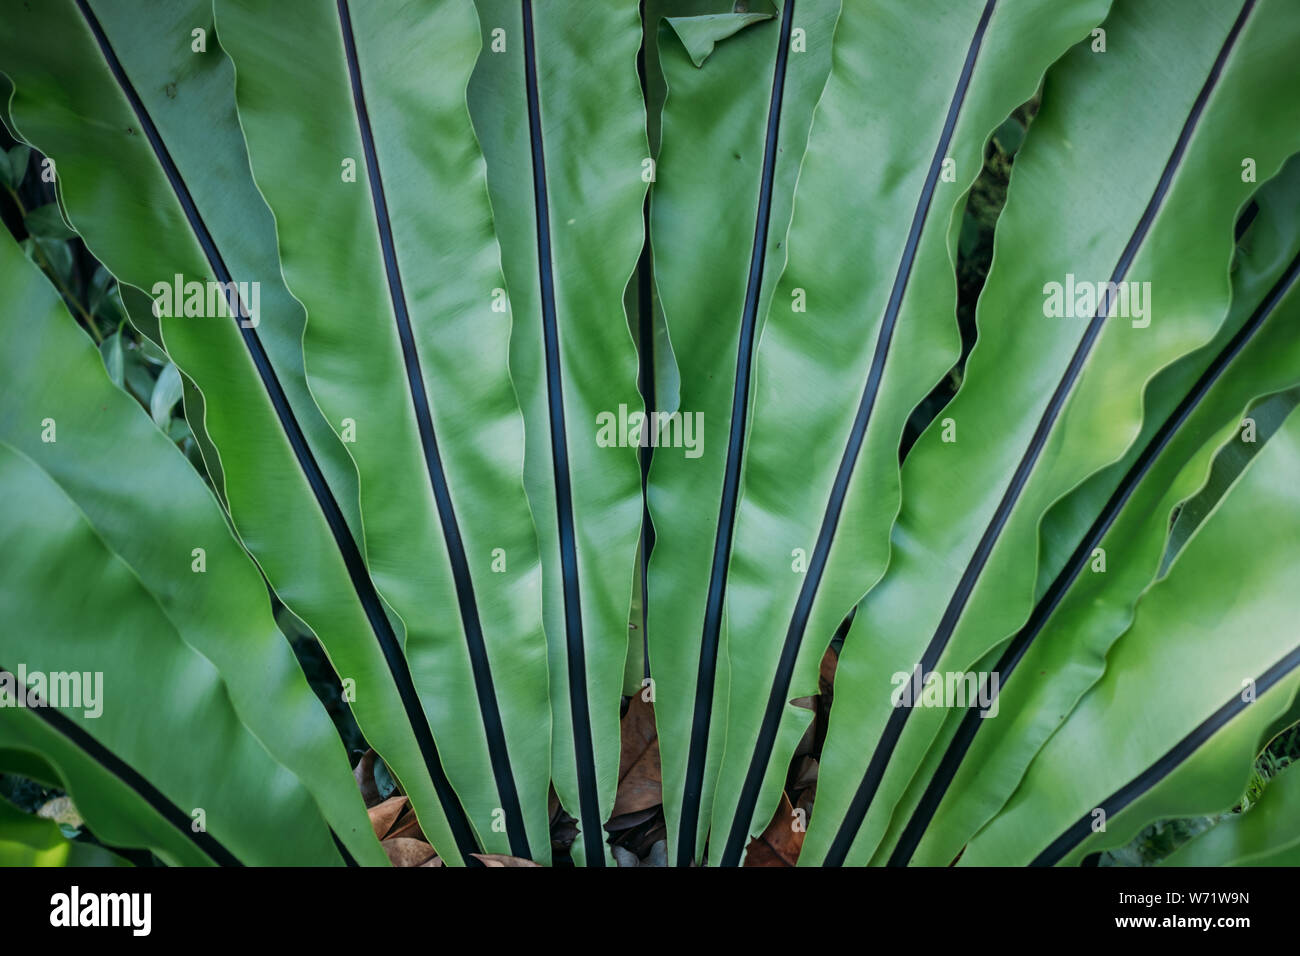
(825, 693)
(805, 803)
(563, 834)
(403, 851)
(805, 787)
(384, 815)
(780, 843)
(564, 828)
(500, 859)
(626, 821)
(407, 825)
(364, 772)
(640, 839)
(805, 775)
(640, 777)
(826, 677)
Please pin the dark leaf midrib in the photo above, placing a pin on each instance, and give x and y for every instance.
(957, 604)
(128, 776)
(584, 751)
(821, 552)
(706, 674)
(1046, 607)
(353, 561)
(1170, 761)
(490, 710)
(646, 375)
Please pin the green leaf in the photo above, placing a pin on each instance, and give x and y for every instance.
(54, 255)
(139, 378)
(177, 430)
(860, 329)
(570, 363)
(716, 175)
(13, 164)
(19, 156)
(1268, 834)
(120, 815)
(167, 391)
(28, 840)
(1010, 135)
(89, 78)
(1173, 726)
(153, 592)
(152, 354)
(1049, 400)
(98, 295)
(46, 222)
(424, 437)
(1192, 411)
(699, 35)
(111, 350)
(105, 166)
(384, 781)
(1258, 424)
(426, 373)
